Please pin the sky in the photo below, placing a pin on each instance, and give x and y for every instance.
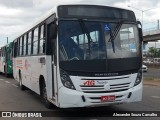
(16, 15)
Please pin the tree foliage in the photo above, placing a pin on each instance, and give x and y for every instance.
(154, 52)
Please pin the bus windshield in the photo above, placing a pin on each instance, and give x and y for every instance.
(88, 40)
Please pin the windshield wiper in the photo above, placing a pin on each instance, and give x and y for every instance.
(113, 35)
(85, 31)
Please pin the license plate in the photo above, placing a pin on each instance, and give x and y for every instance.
(108, 98)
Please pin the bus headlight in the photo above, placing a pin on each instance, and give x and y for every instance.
(139, 78)
(66, 81)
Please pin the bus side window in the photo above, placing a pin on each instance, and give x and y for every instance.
(4, 52)
(15, 49)
(29, 42)
(42, 40)
(1, 52)
(20, 46)
(35, 41)
(24, 45)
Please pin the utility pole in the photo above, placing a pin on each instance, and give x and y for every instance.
(142, 12)
(7, 40)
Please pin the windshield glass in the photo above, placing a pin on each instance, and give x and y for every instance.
(86, 40)
(126, 42)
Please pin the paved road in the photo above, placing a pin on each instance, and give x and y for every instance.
(13, 99)
(152, 73)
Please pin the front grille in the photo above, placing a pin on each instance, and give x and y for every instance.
(92, 89)
(123, 86)
(109, 78)
(105, 91)
(101, 88)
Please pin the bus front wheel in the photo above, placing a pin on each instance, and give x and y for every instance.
(44, 97)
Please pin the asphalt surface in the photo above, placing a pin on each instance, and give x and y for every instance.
(13, 99)
(152, 73)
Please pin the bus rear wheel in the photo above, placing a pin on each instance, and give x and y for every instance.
(44, 97)
(22, 87)
(5, 72)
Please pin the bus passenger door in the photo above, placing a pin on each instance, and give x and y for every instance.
(51, 50)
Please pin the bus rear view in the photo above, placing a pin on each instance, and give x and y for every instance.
(100, 56)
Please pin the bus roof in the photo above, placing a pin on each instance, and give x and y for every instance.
(95, 5)
(54, 11)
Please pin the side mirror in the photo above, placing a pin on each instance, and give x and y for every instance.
(140, 34)
(140, 31)
(139, 23)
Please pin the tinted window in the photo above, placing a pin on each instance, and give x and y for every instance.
(24, 45)
(42, 40)
(35, 41)
(21, 47)
(29, 42)
(18, 47)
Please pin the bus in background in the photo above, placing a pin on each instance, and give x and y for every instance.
(81, 56)
(6, 59)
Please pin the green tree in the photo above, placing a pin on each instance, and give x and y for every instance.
(153, 51)
(158, 53)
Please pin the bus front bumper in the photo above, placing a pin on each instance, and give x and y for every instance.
(71, 98)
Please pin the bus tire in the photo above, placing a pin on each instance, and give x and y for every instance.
(5, 72)
(44, 96)
(22, 87)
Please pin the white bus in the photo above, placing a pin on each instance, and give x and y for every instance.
(81, 56)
